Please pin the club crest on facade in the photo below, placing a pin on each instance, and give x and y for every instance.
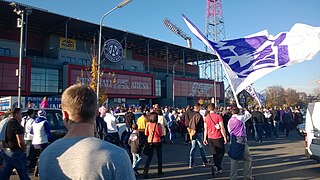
(113, 50)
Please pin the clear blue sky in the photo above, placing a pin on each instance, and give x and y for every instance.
(241, 18)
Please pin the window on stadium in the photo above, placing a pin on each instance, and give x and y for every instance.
(44, 80)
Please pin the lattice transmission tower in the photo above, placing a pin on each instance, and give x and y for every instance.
(215, 32)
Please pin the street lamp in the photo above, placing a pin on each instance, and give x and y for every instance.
(120, 5)
(173, 73)
(19, 12)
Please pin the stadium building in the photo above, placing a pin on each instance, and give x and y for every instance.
(58, 52)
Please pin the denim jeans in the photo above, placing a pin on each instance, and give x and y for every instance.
(267, 128)
(258, 131)
(276, 128)
(15, 159)
(198, 140)
(136, 161)
(171, 134)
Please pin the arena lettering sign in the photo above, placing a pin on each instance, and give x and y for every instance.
(113, 50)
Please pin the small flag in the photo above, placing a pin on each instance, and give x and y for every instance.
(259, 97)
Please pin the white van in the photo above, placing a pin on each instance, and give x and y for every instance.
(313, 131)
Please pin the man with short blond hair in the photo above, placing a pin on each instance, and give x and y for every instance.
(79, 155)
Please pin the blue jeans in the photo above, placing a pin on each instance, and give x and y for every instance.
(267, 128)
(15, 159)
(258, 131)
(198, 140)
(171, 134)
(136, 161)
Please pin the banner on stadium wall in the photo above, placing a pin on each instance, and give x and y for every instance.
(69, 44)
(198, 88)
(53, 101)
(118, 83)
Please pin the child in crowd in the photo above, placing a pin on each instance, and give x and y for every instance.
(135, 143)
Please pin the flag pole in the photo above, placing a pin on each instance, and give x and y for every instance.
(229, 80)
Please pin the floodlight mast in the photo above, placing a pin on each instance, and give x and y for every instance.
(177, 31)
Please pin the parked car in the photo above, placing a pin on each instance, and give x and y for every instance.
(54, 117)
(312, 145)
(122, 125)
(301, 130)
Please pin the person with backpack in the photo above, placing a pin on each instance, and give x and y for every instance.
(196, 126)
(135, 143)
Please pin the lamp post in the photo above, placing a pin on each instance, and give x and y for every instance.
(20, 12)
(173, 73)
(120, 5)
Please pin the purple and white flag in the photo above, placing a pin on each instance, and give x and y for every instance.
(245, 60)
(259, 97)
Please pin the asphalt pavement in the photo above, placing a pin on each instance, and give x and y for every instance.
(275, 158)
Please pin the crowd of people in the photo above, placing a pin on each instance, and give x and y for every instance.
(200, 126)
(85, 154)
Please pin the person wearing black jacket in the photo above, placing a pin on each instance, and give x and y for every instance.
(276, 119)
(196, 124)
(101, 130)
(14, 148)
(129, 120)
(258, 120)
(187, 115)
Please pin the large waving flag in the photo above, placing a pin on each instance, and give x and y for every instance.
(257, 96)
(245, 60)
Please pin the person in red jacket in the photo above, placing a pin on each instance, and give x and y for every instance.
(154, 132)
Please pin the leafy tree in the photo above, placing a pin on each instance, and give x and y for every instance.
(94, 76)
(291, 97)
(275, 96)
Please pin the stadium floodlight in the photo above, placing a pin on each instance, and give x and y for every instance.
(178, 31)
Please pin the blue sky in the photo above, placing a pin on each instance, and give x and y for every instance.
(241, 18)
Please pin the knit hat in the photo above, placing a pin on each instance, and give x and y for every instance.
(42, 113)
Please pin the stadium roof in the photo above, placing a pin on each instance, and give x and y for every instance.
(45, 22)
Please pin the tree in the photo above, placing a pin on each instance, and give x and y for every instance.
(275, 96)
(291, 97)
(94, 76)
